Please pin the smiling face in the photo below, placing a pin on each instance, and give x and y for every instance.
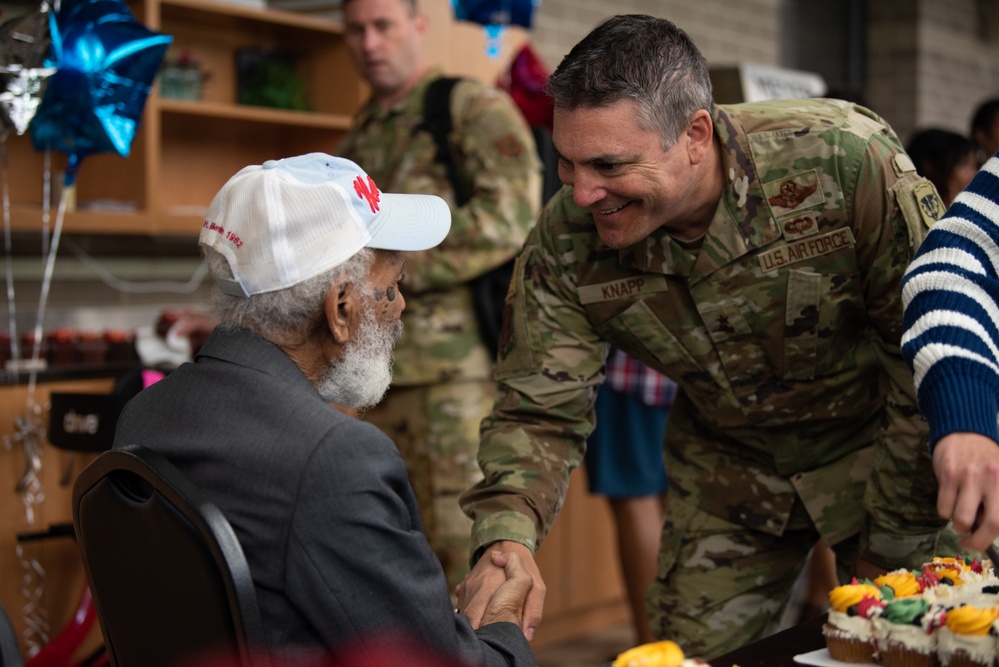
(628, 182)
(385, 39)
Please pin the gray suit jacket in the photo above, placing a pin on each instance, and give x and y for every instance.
(320, 502)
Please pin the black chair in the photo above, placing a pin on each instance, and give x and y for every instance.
(168, 576)
(10, 650)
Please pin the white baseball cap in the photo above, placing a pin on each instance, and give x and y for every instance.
(287, 220)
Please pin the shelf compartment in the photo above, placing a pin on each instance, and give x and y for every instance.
(213, 33)
(247, 113)
(199, 153)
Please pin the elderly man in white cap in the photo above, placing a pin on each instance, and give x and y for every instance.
(307, 255)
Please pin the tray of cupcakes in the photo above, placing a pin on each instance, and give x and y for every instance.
(946, 614)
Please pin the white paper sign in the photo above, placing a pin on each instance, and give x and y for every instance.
(760, 82)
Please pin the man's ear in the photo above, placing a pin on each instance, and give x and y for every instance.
(700, 134)
(422, 23)
(341, 311)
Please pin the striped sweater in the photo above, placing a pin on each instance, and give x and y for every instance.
(951, 298)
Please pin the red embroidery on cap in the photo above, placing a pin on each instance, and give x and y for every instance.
(368, 191)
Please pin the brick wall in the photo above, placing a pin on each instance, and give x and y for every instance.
(726, 31)
(924, 62)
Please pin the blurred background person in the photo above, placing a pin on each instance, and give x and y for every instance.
(985, 128)
(946, 159)
(624, 462)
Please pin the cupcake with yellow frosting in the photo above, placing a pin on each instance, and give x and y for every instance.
(968, 639)
(656, 654)
(950, 571)
(952, 582)
(849, 629)
(901, 583)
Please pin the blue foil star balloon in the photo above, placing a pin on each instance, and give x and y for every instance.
(24, 47)
(495, 15)
(105, 65)
(496, 12)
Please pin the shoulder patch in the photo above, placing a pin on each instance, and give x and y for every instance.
(509, 146)
(920, 206)
(931, 207)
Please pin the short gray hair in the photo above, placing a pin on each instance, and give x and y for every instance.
(638, 57)
(295, 310)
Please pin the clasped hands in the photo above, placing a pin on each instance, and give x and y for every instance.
(505, 585)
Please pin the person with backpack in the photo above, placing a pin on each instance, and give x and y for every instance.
(467, 142)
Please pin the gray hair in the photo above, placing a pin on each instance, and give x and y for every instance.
(285, 313)
(638, 57)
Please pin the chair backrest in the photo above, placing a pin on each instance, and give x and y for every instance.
(168, 576)
(10, 650)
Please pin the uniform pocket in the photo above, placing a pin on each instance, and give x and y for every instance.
(801, 324)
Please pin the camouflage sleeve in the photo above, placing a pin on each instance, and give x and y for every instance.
(549, 365)
(892, 216)
(498, 165)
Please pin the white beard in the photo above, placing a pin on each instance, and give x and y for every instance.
(363, 373)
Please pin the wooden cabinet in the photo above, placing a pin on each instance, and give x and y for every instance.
(43, 582)
(579, 564)
(185, 150)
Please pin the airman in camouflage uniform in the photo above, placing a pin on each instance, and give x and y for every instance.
(442, 383)
(781, 324)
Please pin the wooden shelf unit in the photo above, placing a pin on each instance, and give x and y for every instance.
(185, 150)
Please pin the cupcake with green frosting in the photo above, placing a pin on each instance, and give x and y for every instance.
(905, 633)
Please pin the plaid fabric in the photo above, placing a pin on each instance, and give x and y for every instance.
(629, 376)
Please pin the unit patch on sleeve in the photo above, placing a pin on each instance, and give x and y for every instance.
(931, 207)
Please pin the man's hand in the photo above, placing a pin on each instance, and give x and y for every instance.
(507, 604)
(478, 589)
(967, 470)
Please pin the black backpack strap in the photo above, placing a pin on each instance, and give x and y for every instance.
(488, 290)
(437, 121)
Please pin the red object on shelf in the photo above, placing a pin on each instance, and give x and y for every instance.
(167, 319)
(28, 345)
(93, 349)
(121, 346)
(6, 348)
(62, 346)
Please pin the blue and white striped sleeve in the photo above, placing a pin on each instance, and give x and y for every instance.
(951, 297)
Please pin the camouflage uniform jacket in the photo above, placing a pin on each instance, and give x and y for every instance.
(782, 332)
(496, 156)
